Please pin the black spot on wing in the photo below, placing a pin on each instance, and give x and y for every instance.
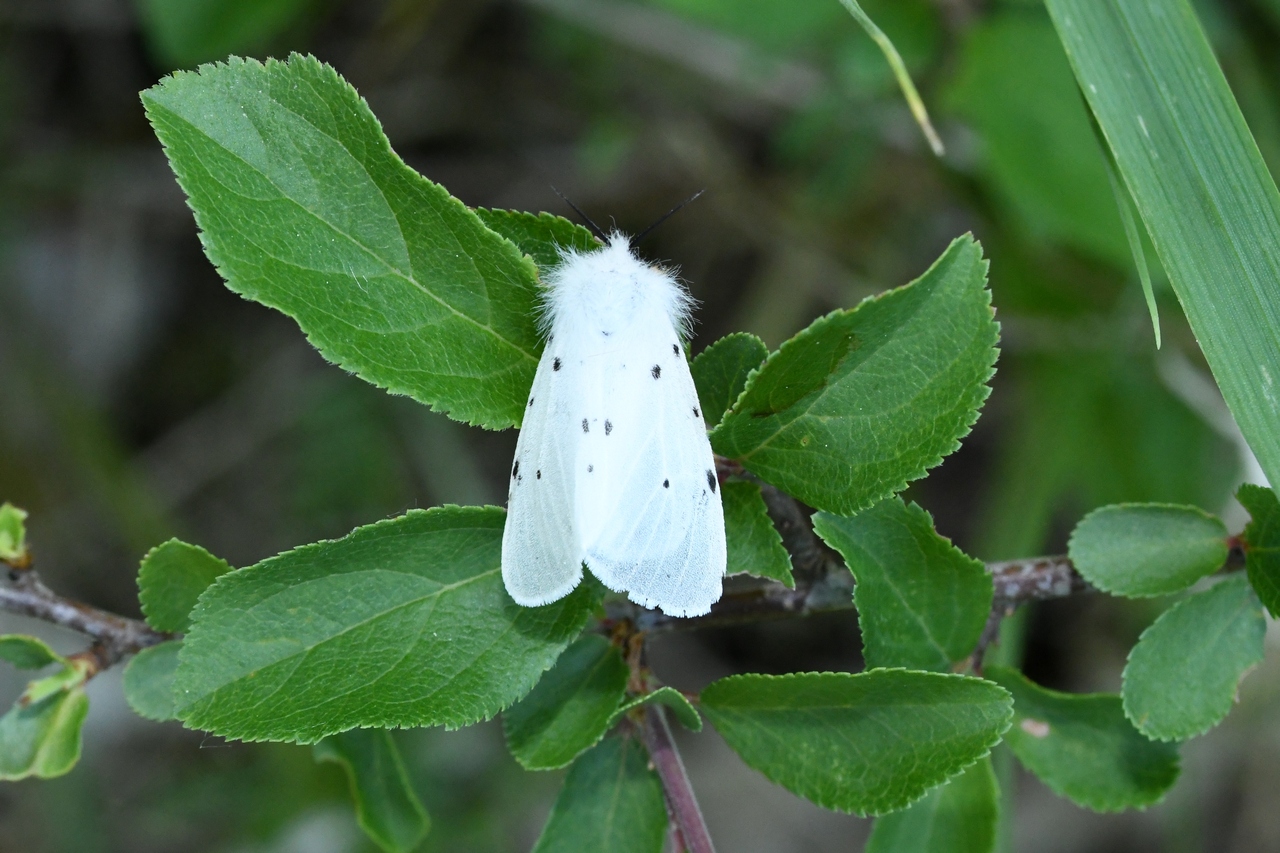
(666, 484)
(696, 413)
(555, 364)
(539, 475)
(585, 428)
(515, 469)
(675, 350)
(608, 427)
(711, 479)
(590, 468)
(656, 371)
(530, 402)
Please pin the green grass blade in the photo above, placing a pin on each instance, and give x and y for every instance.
(891, 55)
(1199, 183)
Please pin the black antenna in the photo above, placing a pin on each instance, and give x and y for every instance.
(595, 229)
(664, 217)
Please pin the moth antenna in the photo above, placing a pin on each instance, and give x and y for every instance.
(664, 217)
(595, 229)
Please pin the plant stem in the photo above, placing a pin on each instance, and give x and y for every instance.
(114, 636)
(681, 801)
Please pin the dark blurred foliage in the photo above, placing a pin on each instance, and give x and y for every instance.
(141, 399)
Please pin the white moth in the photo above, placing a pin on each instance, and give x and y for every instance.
(613, 467)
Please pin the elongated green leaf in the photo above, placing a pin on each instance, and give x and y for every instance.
(863, 401)
(148, 681)
(922, 603)
(958, 817)
(570, 709)
(27, 652)
(401, 623)
(1083, 748)
(187, 32)
(1141, 550)
(387, 807)
(41, 737)
(1199, 183)
(1262, 543)
(611, 801)
(868, 743)
(541, 236)
(170, 580)
(13, 532)
(303, 206)
(1182, 676)
(755, 546)
(720, 372)
(680, 706)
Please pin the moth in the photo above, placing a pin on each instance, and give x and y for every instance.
(613, 469)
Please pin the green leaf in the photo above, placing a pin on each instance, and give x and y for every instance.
(185, 33)
(13, 532)
(851, 409)
(611, 801)
(170, 580)
(387, 808)
(1199, 183)
(28, 652)
(570, 709)
(1083, 748)
(1262, 543)
(922, 603)
(541, 236)
(673, 699)
(958, 817)
(720, 372)
(148, 681)
(304, 207)
(400, 623)
(41, 737)
(1140, 550)
(1182, 676)
(755, 546)
(868, 743)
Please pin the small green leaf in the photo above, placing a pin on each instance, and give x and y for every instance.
(755, 546)
(170, 580)
(304, 207)
(720, 372)
(611, 801)
(922, 603)
(41, 737)
(187, 32)
(673, 699)
(571, 707)
(958, 817)
(1182, 676)
(1083, 748)
(400, 623)
(13, 532)
(863, 401)
(1140, 550)
(1262, 543)
(387, 807)
(148, 681)
(28, 652)
(541, 236)
(868, 743)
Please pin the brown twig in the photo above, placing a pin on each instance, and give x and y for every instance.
(681, 802)
(114, 636)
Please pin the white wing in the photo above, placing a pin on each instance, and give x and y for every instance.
(541, 553)
(648, 503)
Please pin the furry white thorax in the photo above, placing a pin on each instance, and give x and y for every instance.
(613, 467)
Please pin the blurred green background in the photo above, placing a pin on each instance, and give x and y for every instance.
(140, 399)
